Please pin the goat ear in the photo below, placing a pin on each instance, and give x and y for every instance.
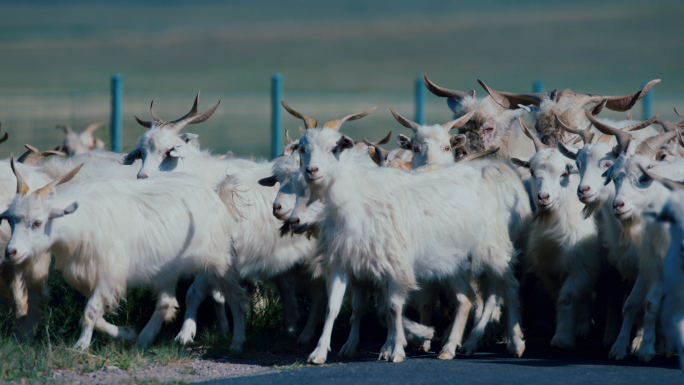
(457, 141)
(268, 182)
(521, 162)
(57, 213)
(292, 147)
(567, 151)
(188, 137)
(404, 142)
(180, 151)
(345, 142)
(131, 157)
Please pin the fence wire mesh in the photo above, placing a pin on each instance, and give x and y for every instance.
(241, 124)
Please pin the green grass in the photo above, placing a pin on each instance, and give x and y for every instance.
(59, 328)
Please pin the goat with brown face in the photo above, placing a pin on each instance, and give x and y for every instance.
(489, 125)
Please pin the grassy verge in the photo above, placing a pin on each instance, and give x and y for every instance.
(60, 327)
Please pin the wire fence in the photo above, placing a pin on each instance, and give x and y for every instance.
(241, 124)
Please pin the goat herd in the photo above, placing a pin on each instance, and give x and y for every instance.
(470, 216)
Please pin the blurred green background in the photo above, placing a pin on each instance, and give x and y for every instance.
(56, 60)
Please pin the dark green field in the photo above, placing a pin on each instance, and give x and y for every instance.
(338, 56)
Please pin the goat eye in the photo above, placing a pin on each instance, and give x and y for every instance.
(37, 224)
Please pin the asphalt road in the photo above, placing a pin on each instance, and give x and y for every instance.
(539, 365)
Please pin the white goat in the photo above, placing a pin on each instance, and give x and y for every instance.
(634, 193)
(146, 233)
(258, 253)
(563, 244)
(393, 228)
(489, 126)
(593, 159)
(23, 286)
(673, 304)
(80, 143)
(433, 145)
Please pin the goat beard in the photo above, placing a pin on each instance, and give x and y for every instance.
(632, 229)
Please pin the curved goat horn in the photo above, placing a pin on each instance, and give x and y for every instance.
(45, 190)
(33, 155)
(4, 137)
(670, 184)
(458, 122)
(308, 122)
(445, 92)
(154, 116)
(67, 128)
(650, 146)
(192, 117)
(335, 124)
(510, 100)
(405, 122)
(92, 127)
(616, 103)
(476, 155)
(585, 134)
(287, 136)
(22, 187)
(538, 145)
(622, 137)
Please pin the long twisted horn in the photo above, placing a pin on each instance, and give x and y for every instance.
(45, 190)
(192, 117)
(650, 146)
(67, 128)
(616, 103)
(337, 123)
(670, 184)
(445, 92)
(308, 122)
(622, 137)
(476, 155)
(92, 127)
(458, 122)
(22, 187)
(538, 145)
(510, 100)
(585, 134)
(33, 155)
(405, 122)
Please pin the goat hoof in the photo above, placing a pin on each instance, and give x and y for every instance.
(316, 358)
(562, 341)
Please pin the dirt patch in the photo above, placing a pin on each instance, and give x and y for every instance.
(197, 370)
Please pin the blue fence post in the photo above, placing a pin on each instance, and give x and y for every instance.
(116, 127)
(276, 115)
(647, 101)
(420, 100)
(538, 86)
